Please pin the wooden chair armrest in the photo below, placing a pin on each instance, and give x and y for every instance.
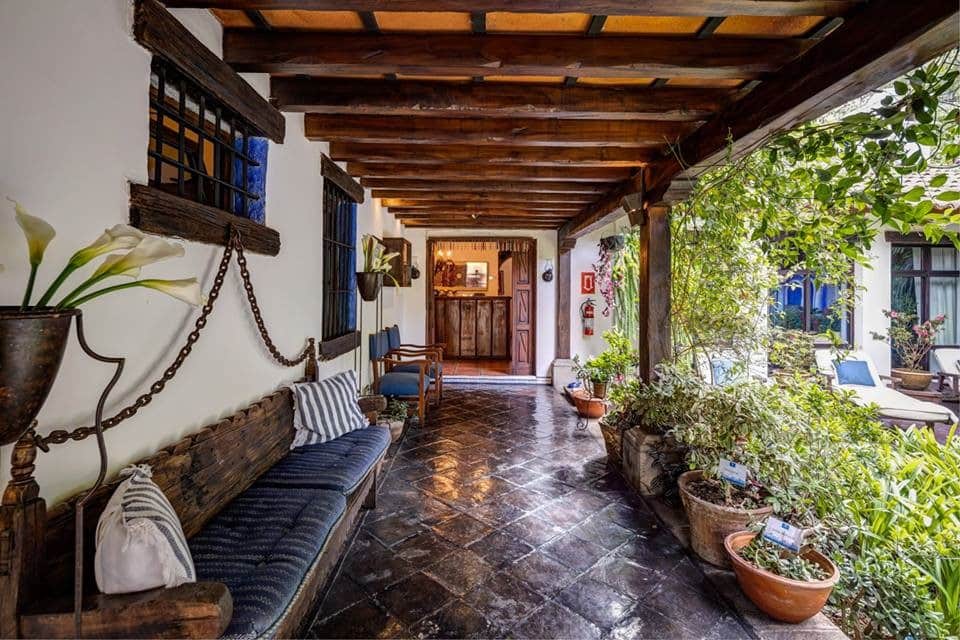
(434, 345)
(436, 354)
(196, 610)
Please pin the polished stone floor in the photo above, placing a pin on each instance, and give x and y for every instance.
(498, 519)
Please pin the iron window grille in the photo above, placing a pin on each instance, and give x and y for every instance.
(199, 147)
(339, 262)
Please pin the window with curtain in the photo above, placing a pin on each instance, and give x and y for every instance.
(801, 303)
(925, 281)
(339, 262)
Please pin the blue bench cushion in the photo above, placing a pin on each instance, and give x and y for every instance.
(400, 383)
(339, 465)
(262, 546)
(436, 369)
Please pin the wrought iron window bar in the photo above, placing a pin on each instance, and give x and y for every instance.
(339, 262)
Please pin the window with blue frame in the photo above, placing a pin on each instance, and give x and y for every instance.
(802, 304)
(339, 262)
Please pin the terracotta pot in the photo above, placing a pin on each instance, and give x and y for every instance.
(781, 598)
(369, 284)
(599, 389)
(711, 523)
(31, 350)
(396, 429)
(613, 441)
(913, 379)
(587, 407)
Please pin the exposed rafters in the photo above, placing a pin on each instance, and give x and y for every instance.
(523, 156)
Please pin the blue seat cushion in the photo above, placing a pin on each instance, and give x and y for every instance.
(338, 465)
(400, 383)
(854, 372)
(262, 546)
(436, 369)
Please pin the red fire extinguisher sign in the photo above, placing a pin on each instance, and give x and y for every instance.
(586, 316)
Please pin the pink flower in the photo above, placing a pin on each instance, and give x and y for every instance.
(894, 314)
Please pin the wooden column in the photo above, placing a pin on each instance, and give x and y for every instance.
(564, 250)
(655, 345)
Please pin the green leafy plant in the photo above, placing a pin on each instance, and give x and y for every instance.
(612, 364)
(911, 340)
(792, 352)
(127, 250)
(767, 555)
(375, 257)
(396, 411)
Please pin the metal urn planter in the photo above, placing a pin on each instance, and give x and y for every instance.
(32, 343)
(369, 284)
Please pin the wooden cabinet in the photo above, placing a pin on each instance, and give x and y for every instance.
(473, 327)
(399, 266)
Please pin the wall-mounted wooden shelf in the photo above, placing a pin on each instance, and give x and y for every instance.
(155, 211)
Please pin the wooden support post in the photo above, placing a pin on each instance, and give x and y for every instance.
(23, 516)
(564, 249)
(655, 344)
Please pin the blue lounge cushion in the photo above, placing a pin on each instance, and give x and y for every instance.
(854, 372)
(399, 383)
(338, 465)
(723, 371)
(436, 369)
(262, 546)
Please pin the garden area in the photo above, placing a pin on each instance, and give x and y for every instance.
(869, 514)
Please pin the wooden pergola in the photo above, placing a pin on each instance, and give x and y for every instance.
(546, 114)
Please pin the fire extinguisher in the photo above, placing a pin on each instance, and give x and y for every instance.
(586, 316)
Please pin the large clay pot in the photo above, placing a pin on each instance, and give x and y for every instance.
(781, 598)
(31, 350)
(711, 523)
(587, 407)
(369, 284)
(913, 379)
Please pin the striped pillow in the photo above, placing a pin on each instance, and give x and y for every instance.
(140, 543)
(326, 410)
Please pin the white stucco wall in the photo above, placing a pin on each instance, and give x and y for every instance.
(584, 255)
(874, 282)
(73, 132)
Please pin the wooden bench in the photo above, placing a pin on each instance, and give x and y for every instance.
(200, 475)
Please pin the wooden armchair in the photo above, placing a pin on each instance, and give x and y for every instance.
(411, 385)
(433, 352)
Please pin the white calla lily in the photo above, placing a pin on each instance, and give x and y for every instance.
(148, 251)
(38, 232)
(187, 290)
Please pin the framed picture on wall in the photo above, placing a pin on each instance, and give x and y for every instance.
(475, 276)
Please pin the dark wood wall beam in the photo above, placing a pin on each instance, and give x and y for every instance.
(502, 131)
(316, 53)
(159, 32)
(332, 171)
(609, 7)
(482, 195)
(881, 41)
(442, 186)
(561, 210)
(441, 170)
(525, 156)
(371, 97)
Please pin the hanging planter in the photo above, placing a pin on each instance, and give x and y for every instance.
(611, 244)
(369, 283)
(32, 343)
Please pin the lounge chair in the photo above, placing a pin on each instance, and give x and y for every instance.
(870, 388)
(948, 365)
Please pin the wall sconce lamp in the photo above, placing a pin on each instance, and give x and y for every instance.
(547, 270)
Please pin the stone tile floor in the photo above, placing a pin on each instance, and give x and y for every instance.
(499, 519)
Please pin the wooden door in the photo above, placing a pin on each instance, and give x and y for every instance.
(524, 314)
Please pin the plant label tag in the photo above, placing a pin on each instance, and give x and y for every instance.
(735, 474)
(784, 534)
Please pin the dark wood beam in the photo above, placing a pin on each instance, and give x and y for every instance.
(565, 210)
(526, 156)
(439, 186)
(501, 131)
(326, 53)
(466, 171)
(332, 171)
(373, 97)
(595, 27)
(609, 7)
(883, 40)
(159, 32)
(482, 195)
(256, 17)
(480, 224)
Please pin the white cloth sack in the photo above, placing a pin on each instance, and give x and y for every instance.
(140, 542)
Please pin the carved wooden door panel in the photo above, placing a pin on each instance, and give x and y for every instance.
(524, 315)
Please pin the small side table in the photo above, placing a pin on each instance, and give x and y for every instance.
(929, 396)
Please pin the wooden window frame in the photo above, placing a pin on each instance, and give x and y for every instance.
(808, 289)
(925, 272)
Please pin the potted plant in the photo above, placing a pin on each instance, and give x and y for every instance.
(376, 265)
(33, 334)
(395, 417)
(611, 365)
(911, 341)
(786, 586)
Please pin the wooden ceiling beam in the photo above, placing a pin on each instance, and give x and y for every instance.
(524, 156)
(344, 96)
(483, 195)
(482, 224)
(502, 131)
(609, 7)
(885, 39)
(442, 186)
(331, 53)
(565, 209)
(473, 171)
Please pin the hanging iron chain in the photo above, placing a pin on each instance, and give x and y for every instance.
(61, 436)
